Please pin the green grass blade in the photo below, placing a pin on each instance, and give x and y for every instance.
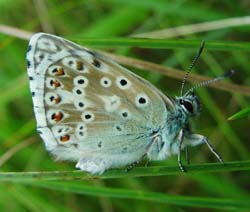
(156, 170)
(162, 43)
(241, 114)
(207, 202)
(110, 25)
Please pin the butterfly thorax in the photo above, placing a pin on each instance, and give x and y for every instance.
(176, 122)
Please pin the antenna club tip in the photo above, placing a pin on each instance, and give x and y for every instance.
(229, 73)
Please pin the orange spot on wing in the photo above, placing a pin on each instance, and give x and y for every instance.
(60, 72)
(64, 138)
(57, 117)
(57, 99)
(79, 65)
(56, 84)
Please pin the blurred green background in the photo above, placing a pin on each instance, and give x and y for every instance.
(22, 149)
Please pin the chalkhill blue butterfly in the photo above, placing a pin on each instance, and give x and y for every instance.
(97, 113)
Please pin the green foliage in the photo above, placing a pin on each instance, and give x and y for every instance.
(32, 181)
(241, 114)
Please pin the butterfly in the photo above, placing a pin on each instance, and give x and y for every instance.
(94, 112)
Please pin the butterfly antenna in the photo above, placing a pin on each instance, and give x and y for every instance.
(192, 65)
(205, 83)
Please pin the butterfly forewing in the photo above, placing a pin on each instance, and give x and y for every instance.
(87, 104)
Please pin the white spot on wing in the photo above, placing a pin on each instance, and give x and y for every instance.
(53, 70)
(105, 82)
(87, 116)
(78, 91)
(50, 98)
(80, 81)
(111, 103)
(60, 130)
(125, 114)
(50, 83)
(47, 45)
(73, 63)
(82, 104)
(81, 127)
(81, 131)
(40, 56)
(52, 112)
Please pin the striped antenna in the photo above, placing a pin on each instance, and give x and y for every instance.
(205, 83)
(192, 65)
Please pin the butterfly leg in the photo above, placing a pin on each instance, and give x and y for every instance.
(147, 162)
(131, 166)
(181, 138)
(149, 152)
(196, 139)
(187, 156)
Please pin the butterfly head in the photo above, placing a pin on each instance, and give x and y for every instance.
(190, 104)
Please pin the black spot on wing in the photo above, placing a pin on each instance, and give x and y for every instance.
(100, 144)
(96, 63)
(29, 48)
(142, 100)
(28, 63)
(39, 132)
(90, 52)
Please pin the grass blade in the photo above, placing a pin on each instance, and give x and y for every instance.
(155, 170)
(79, 188)
(241, 114)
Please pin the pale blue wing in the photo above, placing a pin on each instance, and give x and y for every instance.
(86, 104)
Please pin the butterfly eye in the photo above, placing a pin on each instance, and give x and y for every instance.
(187, 105)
